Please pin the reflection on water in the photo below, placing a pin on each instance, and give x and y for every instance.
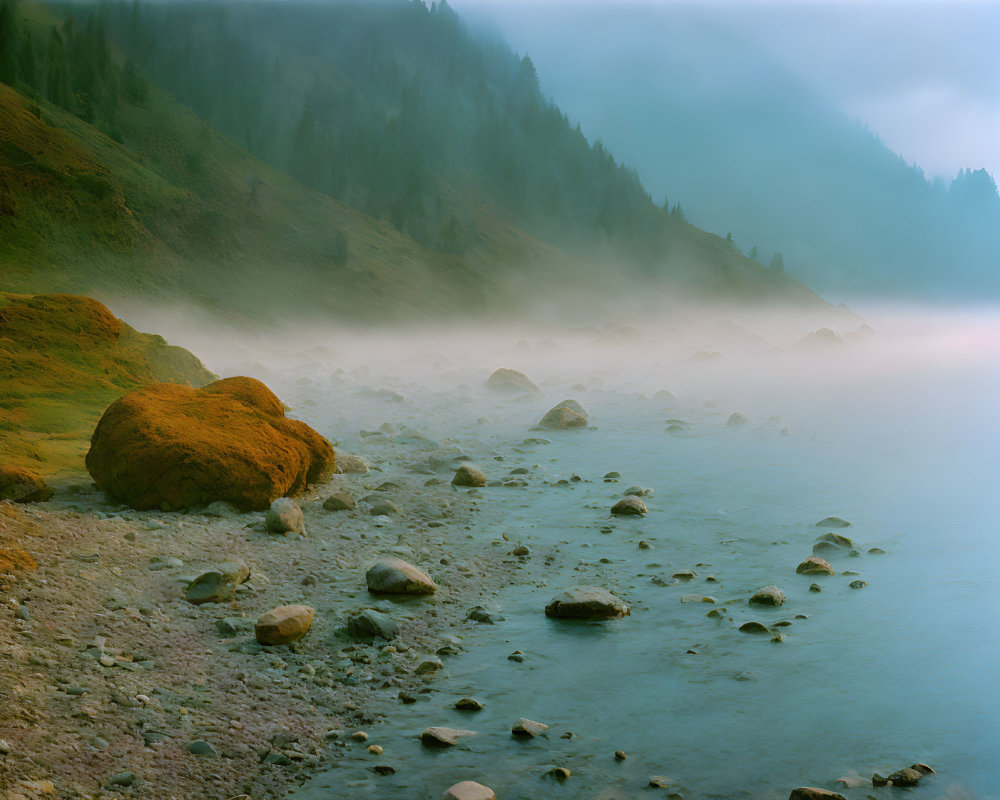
(898, 435)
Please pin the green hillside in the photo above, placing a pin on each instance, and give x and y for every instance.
(472, 199)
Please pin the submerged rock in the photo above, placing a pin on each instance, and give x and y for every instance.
(467, 475)
(910, 776)
(754, 627)
(510, 381)
(395, 576)
(284, 516)
(837, 540)
(23, 485)
(284, 624)
(169, 446)
(567, 414)
(736, 420)
(814, 565)
(586, 602)
(629, 506)
(768, 596)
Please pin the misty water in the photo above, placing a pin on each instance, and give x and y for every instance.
(896, 433)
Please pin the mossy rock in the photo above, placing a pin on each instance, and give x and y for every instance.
(172, 447)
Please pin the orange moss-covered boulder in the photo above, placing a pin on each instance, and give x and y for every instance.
(172, 447)
(23, 485)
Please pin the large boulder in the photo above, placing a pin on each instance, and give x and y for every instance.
(586, 602)
(510, 381)
(23, 486)
(172, 447)
(395, 576)
(567, 414)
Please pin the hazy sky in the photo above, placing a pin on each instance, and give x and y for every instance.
(925, 76)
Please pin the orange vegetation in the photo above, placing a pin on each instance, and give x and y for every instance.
(172, 447)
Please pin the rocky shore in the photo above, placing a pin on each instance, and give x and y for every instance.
(115, 683)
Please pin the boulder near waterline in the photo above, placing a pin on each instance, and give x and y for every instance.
(171, 447)
(510, 381)
(22, 485)
(284, 516)
(567, 414)
(284, 624)
(586, 602)
(395, 576)
(468, 475)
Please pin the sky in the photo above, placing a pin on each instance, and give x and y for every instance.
(925, 76)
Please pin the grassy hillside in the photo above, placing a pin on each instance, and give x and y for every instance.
(63, 360)
(148, 200)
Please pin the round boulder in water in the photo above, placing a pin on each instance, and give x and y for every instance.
(567, 414)
(629, 506)
(814, 565)
(586, 602)
(395, 576)
(768, 596)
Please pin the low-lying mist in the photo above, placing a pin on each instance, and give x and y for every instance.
(896, 377)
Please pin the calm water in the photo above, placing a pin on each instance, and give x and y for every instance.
(900, 437)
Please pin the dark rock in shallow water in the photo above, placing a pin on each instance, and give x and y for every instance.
(837, 539)
(814, 565)
(754, 627)
(629, 506)
(768, 596)
(586, 602)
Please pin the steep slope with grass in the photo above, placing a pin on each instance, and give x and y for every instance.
(129, 193)
(63, 360)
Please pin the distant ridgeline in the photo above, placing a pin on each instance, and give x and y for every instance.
(442, 178)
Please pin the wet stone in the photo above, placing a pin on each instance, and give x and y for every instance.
(629, 506)
(768, 596)
(528, 729)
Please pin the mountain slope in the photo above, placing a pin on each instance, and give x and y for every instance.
(118, 189)
(713, 121)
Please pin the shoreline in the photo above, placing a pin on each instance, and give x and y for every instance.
(173, 678)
